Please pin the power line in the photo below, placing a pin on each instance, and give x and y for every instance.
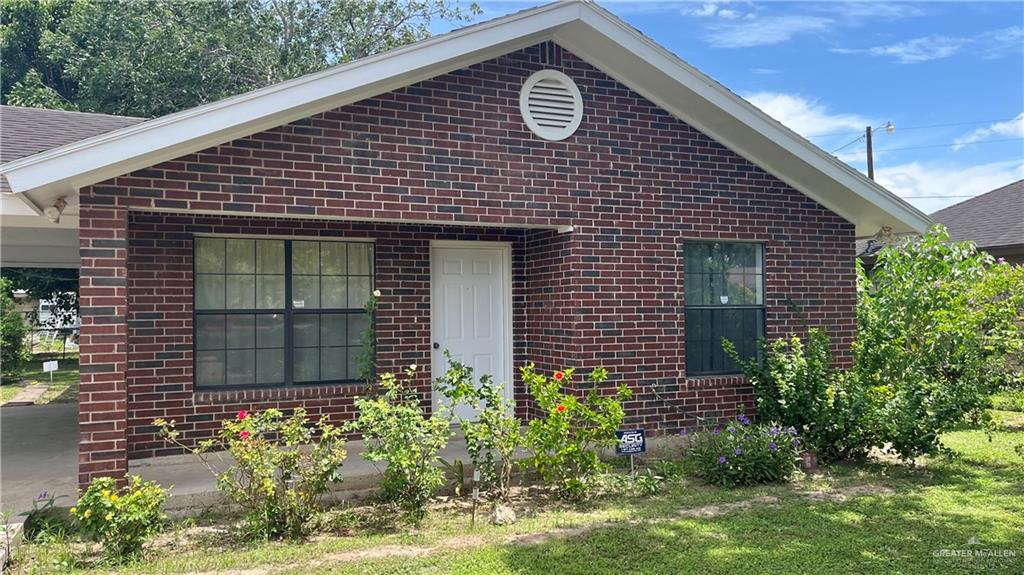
(923, 127)
(950, 144)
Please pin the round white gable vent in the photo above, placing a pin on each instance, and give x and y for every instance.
(551, 104)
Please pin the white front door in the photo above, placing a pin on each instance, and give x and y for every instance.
(471, 301)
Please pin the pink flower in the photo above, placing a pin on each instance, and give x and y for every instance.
(243, 434)
(559, 376)
(560, 408)
(242, 415)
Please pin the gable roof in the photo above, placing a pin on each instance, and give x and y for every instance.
(583, 28)
(28, 131)
(990, 220)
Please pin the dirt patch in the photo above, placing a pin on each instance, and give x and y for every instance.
(405, 551)
(847, 493)
(722, 508)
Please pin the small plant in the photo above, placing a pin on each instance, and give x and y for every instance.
(396, 430)
(121, 518)
(282, 467)
(744, 454)
(14, 354)
(564, 441)
(44, 518)
(494, 436)
(648, 483)
(367, 358)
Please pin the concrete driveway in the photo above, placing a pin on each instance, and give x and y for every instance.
(38, 452)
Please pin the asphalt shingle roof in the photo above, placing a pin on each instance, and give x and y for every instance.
(992, 219)
(27, 131)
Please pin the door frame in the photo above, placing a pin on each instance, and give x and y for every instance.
(506, 255)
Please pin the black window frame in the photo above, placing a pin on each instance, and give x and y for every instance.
(289, 311)
(729, 367)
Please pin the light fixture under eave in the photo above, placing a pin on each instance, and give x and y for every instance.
(53, 212)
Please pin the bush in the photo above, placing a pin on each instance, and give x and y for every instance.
(795, 386)
(938, 329)
(494, 436)
(13, 330)
(121, 518)
(45, 519)
(396, 430)
(282, 467)
(744, 454)
(563, 442)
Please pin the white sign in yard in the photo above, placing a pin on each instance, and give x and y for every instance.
(49, 366)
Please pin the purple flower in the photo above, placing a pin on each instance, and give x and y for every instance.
(43, 495)
(744, 419)
(936, 284)
(774, 430)
(717, 431)
(732, 430)
(682, 432)
(721, 459)
(796, 442)
(1001, 260)
(739, 451)
(791, 430)
(772, 447)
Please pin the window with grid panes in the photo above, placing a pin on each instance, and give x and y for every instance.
(272, 312)
(724, 295)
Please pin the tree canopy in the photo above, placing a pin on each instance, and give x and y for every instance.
(154, 57)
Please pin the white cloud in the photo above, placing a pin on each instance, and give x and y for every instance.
(729, 14)
(990, 44)
(1010, 128)
(809, 118)
(765, 71)
(916, 179)
(751, 32)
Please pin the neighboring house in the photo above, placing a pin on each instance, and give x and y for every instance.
(994, 221)
(548, 187)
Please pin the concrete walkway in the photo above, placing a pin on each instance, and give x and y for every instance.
(38, 452)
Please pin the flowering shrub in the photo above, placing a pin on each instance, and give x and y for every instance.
(493, 437)
(795, 386)
(282, 467)
(121, 518)
(397, 431)
(744, 454)
(564, 441)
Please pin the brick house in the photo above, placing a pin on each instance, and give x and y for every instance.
(547, 187)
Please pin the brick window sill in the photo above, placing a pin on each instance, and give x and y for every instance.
(212, 397)
(714, 381)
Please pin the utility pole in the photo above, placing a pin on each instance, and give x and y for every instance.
(871, 159)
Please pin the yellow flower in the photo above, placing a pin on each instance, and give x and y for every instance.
(88, 513)
(74, 510)
(109, 516)
(105, 492)
(114, 497)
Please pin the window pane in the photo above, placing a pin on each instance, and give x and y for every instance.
(209, 292)
(241, 366)
(353, 362)
(270, 292)
(270, 366)
(209, 255)
(358, 291)
(333, 330)
(270, 257)
(359, 259)
(332, 363)
(306, 330)
(306, 258)
(307, 365)
(357, 324)
(270, 330)
(241, 332)
(335, 291)
(333, 258)
(705, 329)
(305, 292)
(210, 332)
(241, 256)
(241, 292)
(209, 368)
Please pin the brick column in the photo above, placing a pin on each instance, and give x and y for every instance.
(103, 297)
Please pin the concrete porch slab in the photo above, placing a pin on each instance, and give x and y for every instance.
(38, 452)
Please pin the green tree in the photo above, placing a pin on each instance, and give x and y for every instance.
(13, 329)
(154, 57)
(937, 324)
(59, 286)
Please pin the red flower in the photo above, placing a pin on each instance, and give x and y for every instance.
(243, 414)
(243, 434)
(560, 408)
(559, 376)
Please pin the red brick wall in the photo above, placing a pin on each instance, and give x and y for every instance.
(634, 182)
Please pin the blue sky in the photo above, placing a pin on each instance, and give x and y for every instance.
(828, 69)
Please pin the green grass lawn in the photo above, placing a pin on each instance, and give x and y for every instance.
(1009, 400)
(63, 389)
(902, 524)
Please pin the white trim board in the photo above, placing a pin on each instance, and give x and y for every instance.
(584, 28)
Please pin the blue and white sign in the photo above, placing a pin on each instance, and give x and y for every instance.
(631, 442)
